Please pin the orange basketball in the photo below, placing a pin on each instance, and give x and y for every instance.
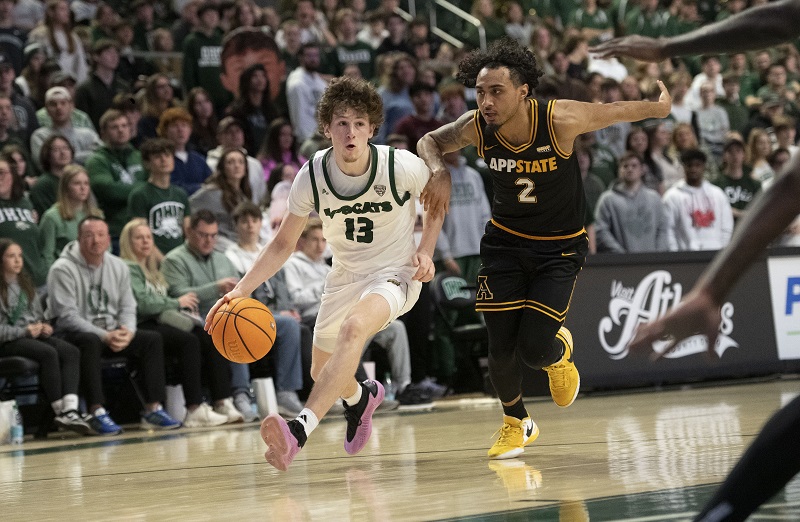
(243, 330)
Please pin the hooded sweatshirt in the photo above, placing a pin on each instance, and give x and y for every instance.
(630, 222)
(151, 299)
(13, 322)
(469, 212)
(700, 218)
(305, 279)
(114, 173)
(90, 299)
(202, 66)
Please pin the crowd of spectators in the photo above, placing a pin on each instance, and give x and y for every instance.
(147, 150)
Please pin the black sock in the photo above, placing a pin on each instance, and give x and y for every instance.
(299, 432)
(362, 403)
(516, 410)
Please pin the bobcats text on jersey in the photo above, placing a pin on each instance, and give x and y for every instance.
(360, 208)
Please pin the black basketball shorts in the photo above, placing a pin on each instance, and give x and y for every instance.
(522, 273)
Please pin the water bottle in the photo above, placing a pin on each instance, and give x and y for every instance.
(17, 428)
(388, 386)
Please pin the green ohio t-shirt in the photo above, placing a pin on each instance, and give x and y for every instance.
(164, 210)
(740, 191)
(19, 222)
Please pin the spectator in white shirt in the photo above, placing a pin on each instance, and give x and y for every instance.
(699, 213)
(304, 88)
(711, 73)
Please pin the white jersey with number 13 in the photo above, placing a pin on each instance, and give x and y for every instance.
(368, 220)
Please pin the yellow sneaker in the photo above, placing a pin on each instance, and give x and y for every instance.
(564, 378)
(514, 436)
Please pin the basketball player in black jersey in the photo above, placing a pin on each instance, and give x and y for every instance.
(774, 457)
(535, 243)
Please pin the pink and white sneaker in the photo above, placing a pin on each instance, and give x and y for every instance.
(359, 416)
(284, 440)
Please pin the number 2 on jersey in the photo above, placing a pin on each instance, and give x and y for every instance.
(525, 195)
(364, 232)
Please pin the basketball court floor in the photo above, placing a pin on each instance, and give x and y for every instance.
(647, 456)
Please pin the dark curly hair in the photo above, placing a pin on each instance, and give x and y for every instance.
(505, 52)
(350, 93)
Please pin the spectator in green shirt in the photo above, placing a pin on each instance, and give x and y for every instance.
(115, 169)
(201, 53)
(734, 178)
(59, 224)
(647, 20)
(18, 221)
(56, 154)
(163, 205)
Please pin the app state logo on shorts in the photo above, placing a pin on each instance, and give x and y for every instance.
(483, 293)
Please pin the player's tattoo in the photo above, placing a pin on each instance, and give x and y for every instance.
(448, 138)
(456, 135)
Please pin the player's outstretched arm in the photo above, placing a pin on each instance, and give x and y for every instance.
(770, 213)
(454, 136)
(755, 28)
(269, 261)
(572, 118)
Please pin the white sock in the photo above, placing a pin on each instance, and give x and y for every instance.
(308, 420)
(70, 402)
(58, 406)
(353, 400)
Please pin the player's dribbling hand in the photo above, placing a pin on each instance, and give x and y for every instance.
(233, 294)
(633, 46)
(695, 314)
(425, 268)
(435, 196)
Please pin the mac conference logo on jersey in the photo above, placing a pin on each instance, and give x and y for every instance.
(650, 299)
(380, 189)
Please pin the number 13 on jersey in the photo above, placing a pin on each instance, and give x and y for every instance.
(364, 232)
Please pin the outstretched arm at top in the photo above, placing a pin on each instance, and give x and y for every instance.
(768, 215)
(269, 261)
(755, 28)
(454, 136)
(571, 118)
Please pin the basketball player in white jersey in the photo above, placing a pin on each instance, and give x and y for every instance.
(364, 195)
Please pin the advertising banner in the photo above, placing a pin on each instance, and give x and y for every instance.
(612, 299)
(784, 278)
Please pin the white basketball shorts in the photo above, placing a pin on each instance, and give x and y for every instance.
(344, 289)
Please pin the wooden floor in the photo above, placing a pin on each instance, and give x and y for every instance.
(636, 456)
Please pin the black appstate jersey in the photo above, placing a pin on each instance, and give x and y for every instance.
(538, 190)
